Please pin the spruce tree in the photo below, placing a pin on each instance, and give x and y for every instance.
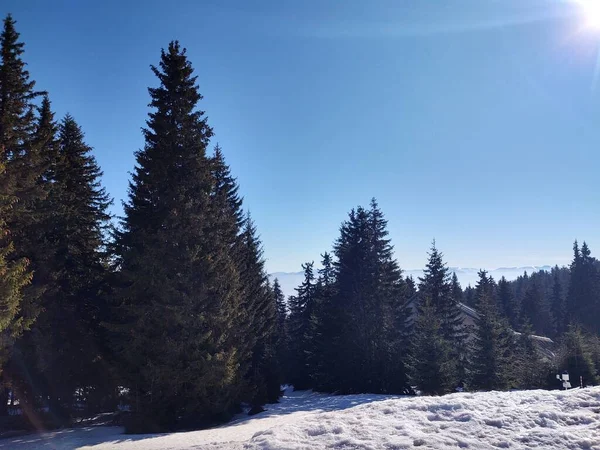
(575, 356)
(67, 338)
(490, 354)
(318, 346)
(21, 190)
(281, 339)
(529, 369)
(506, 302)
(14, 276)
(432, 367)
(301, 310)
(557, 304)
(177, 307)
(457, 292)
(259, 323)
(436, 284)
(531, 309)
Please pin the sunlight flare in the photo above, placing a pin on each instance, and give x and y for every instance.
(591, 10)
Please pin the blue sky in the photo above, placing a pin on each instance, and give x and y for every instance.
(475, 122)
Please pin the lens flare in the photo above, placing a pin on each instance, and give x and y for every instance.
(591, 10)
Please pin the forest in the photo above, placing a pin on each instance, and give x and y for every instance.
(167, 315)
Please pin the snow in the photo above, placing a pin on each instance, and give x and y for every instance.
(305, 420)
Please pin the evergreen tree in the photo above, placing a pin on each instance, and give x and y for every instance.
(21, 191)
(457, 293)
(67, 337)
(576, 357)
(178, 305)
(559, 315)
(432, 368)
(411, 287)
(531, 309)
(259, 323)
(490, 354)
(470, 296)
(14, 276)
(318, 346)
(281, 340)
(530, 370)
(590, 278)
(436, 284)
(506, 302)
(301, 310)
(579, 290)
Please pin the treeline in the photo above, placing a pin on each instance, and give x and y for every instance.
(357, 325)
(170, 315)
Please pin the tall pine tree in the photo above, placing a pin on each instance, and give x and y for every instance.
(490, 355)
(178, 305)
(66, 342)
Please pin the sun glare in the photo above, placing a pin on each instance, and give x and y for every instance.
(591, 10)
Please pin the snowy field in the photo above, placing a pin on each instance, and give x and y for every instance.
(303, 420)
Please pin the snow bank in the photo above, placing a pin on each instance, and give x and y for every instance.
(303, 420)
(491, 420)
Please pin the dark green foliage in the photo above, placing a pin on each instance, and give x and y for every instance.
(20, 174)
(557, 304)
(257, 332)
(457, 292)
(180, 296)
(470, 296)
(491, 347)
(583, 298)
(13, 278)
(301, 310)
(437, 285)
(64, 351)
(532, 309)
(281, 336)
(321, 324)
(432, 367)
(529, 369)
(576, 356)
(369, 306)
(506, 302)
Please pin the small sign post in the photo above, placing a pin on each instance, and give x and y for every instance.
(564, 377)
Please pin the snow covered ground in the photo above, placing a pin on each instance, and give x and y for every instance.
(304, 420)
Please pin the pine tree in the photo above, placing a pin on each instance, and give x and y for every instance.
(179, 299)
(576, 357)
(259, 325)
(67, 336)
(301, 310)
(490, 354)
(576, 297)
(321, 324)
(14, 276)
(432, 368)
(457, 293)
(281, 340)
(529, 369)
(470, 296)
(436, 284)
(20, 191)
(557, 305)
(590, 278)
(531, 309)
(506, 302)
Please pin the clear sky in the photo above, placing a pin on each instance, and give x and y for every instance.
(475, 122)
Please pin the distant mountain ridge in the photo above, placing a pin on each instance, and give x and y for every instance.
(466, 275)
